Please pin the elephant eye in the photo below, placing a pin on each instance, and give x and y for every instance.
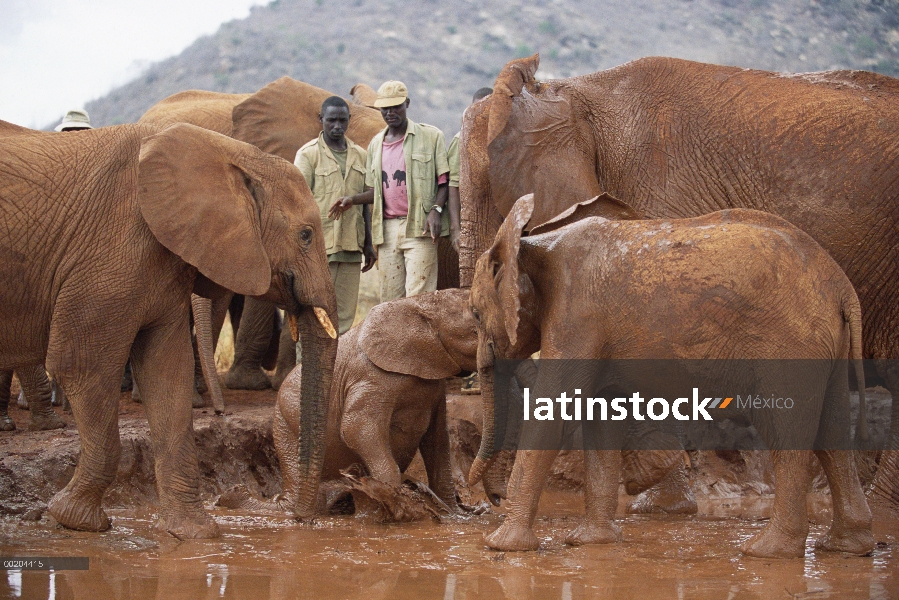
(306, 235)
(477, 315)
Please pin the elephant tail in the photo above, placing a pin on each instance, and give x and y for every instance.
(852, 314)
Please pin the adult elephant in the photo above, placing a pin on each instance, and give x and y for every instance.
(279, 118)
(141, 218)
(675, 138)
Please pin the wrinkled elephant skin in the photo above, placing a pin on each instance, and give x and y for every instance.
(535, 292)
(675, 138)
(388, 400)
(138, 215)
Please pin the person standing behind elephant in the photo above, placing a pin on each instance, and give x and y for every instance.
(405, 209)
(334, 167)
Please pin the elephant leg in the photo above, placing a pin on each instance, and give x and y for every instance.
(94, 397)
(366, 431)
(785, 534)
(671, 495)
(161, 362)
(850, 530)
(286, 445)
(601, 473)
(435, 451)
(287, 357)
(6, 422)
(250, 345)
(36, 387)
(883, 496)
(532, 467)
(59, 396)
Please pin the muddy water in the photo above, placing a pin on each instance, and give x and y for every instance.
(339, 557)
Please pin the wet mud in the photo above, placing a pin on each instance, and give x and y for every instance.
(339, 556)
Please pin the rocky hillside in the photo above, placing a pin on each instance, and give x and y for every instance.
(445, 50)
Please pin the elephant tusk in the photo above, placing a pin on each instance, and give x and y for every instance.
(294, 328)
(322, 315)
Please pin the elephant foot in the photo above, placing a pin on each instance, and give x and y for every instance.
(21, 402)
(853, 541)
(192, 527)
(589, 533)
(672, 495)
(512, 538)
(77, 513)
(135, 395)
(45, 421)
(772, 543)
(197, 401)
(247, 379)
(7, 424)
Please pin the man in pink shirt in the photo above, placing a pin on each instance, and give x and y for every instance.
(407, 170)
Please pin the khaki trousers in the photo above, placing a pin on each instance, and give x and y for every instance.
(406, 266)
(345, 276)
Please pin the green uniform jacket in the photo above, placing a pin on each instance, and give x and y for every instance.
(452, 156)
(425, 151)
(322, 172)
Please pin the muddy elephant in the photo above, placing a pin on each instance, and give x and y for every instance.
(675, 138)
(279, 118)
(140, 219)
(388, 400)
(735, 284)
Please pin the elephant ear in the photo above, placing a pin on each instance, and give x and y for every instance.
(604, 205)
(280, 117)
(509, 83)
(504, 256)
(196, 196)
(364, 95)
(419, 352)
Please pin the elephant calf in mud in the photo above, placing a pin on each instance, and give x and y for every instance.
(388, 399)
(735, 284)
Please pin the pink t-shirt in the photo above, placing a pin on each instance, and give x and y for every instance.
(393, 180)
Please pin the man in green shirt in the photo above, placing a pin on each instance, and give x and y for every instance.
(407, 170)
(333, 167)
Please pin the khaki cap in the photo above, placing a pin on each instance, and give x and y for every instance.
(75, 119)
(391, 93)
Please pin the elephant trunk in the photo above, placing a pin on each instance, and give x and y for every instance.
(319, 353)
(488, 431)
(202, 308)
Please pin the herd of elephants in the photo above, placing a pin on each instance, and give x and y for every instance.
(660, 209)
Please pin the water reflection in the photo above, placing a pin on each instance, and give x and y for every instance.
(676, 557)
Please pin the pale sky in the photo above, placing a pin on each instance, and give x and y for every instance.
(56, 55)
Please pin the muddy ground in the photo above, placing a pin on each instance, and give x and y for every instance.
(343, 556)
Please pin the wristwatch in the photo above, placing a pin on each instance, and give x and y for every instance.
(439, 209)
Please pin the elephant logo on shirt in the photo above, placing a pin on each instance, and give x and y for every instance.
(399, 177)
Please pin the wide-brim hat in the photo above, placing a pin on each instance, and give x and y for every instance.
(391, 93)
(75, 119)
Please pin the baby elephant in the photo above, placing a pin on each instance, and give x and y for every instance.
(388, 396)
(735, 284)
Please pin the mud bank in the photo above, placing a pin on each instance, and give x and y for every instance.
(237, 449)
